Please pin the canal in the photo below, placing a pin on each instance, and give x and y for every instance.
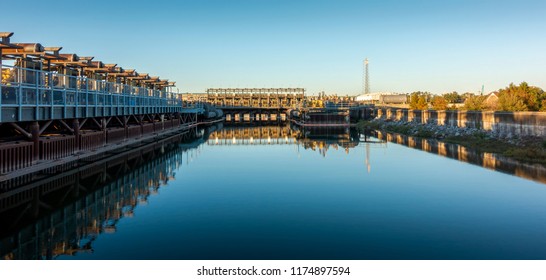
(271, 192)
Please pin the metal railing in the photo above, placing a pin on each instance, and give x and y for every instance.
(29, 94)
(341, 105)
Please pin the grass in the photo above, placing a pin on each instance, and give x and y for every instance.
(529, 150)
(400, 129)
(480, 144)
(368, 125)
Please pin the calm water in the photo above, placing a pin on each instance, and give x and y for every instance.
(277, 193)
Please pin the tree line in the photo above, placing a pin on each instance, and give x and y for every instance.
(522, 97)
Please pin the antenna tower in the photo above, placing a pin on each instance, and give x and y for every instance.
(366, 77)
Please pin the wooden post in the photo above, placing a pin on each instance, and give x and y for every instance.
(162, 121)
(76, 127)
(104, 130)
(35, 132)
(141, 123)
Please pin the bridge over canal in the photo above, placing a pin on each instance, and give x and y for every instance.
(252, 104)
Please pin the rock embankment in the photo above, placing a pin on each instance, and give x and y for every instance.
(529, 149)
(431, 130)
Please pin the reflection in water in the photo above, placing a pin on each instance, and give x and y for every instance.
(47, 215)
(64, 214)
(322, 139)
(252, 135)
(316, 139)
(535, 172)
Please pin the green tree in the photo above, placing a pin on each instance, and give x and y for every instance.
(422, 102)
(466, 95)
(414, 99)
(521, 98)
(474, 103)
(511, 102)
(453, 97)
(439, 103)
(418, 100)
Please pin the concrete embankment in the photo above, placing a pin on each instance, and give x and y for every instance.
(497, 124)
(520, 136)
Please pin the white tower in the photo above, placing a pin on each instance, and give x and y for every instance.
(366, 78)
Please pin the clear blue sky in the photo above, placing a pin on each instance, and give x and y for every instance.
(436, 46)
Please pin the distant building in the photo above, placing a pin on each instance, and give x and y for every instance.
(491, 101)
(382, 97)
(370, 97)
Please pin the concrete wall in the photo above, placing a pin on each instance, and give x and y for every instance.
(502, 123)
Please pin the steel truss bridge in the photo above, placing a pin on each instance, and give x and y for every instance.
(252, 104)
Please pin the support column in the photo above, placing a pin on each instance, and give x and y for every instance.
(103, 128)
(162, 120)
(76, 128)
(35, 132)
(177, 119)
(140, 120)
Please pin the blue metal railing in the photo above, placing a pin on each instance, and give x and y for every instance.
(29, 94)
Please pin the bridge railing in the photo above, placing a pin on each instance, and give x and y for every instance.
(29, 94)
(340, 105)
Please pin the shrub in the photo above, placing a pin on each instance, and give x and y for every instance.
(439, 103)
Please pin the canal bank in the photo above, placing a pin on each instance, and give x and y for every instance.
(526, 148)
(69, 160)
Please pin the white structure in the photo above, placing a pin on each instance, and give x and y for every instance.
(372, 97)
